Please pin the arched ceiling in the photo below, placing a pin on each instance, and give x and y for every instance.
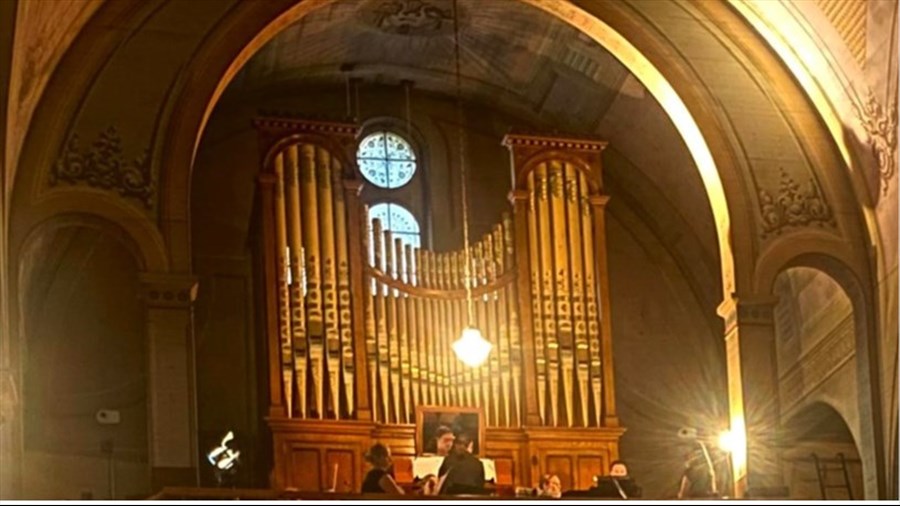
(530, 62)
(521, 61)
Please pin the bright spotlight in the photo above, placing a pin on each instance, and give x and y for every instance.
(731, 441)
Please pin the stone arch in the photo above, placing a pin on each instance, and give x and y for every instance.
(870, 439)
(246, 27)
(820, 429)
(81, 350)
(706, 142)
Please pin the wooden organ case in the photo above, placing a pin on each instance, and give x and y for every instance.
(359, 326)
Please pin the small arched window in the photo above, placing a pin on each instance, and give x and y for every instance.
(399, 221)
(386, 159)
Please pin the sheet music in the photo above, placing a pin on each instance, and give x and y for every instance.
(423, 466)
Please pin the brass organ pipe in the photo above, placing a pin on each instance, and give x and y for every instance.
(315, 328)
(345, 316)
(298, 312)
(561, 284)
(576, 260)
(384, 363)
(540, 350)
(447, 303)
(424, 349)
(446, 323)
(438, 282)
(473, 374)
(432, 349)
(413, 329)
(284, 309)
(402, 333)
(548, 296)
(458, 316)
(329, 278)
(393, 339)
(456, 381)
(445, 344)
(370, 297)
(593, 316)
(493, 333)
(502, 338)
(481, 318)
(515, 345)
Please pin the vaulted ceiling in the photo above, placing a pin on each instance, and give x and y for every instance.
(530, 62)
(520, 61)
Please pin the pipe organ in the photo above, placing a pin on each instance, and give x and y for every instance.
(360, 325)
(417, 303)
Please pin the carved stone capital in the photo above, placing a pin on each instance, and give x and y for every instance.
(599, 200)
(516, 196)
(353, 186)
(749, 310)
(167, 290)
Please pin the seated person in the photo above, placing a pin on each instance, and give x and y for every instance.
(622, 480)
(461, 472)
(379, 479)
(549, 486)
(443, 440)
(618, 484)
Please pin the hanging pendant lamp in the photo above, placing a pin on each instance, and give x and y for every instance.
(471, 347)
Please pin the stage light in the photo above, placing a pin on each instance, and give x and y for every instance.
(731, 441)
(471, 348)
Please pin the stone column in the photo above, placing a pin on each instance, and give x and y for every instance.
(171, 384)
(753, 392)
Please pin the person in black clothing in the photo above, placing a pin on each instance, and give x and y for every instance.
(461, 472)
(617, 485)
(379, 479)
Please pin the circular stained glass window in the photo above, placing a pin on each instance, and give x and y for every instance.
(386, 160)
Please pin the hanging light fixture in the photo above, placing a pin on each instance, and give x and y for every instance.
(471, 347)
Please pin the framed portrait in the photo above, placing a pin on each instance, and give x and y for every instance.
(458, 419)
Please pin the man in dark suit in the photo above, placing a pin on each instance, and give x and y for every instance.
(461, 472)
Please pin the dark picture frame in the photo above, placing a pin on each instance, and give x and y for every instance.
(459, 419)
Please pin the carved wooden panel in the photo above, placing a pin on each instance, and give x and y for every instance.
(506, 470)
(560, 465)
(347, 467)
(303, 473)
(307, 451)
(588, 467)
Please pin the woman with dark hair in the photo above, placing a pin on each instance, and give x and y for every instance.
(379, 479)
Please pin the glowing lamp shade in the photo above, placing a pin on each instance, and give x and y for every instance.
(471, 348)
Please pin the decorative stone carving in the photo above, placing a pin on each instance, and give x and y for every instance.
(881, 127)
(411, 17)
(793, 206)
(103, 165)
